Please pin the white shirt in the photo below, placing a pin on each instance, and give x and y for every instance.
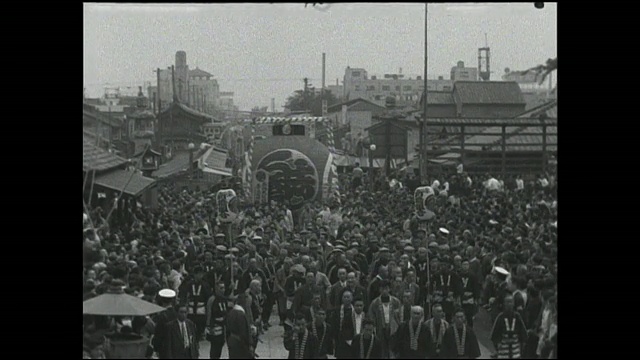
(359, 319)
(385, 308)
(520, 184)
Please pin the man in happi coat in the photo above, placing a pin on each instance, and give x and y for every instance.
(239, 333)
(324, 332)
(437, 328)
(367, 345)
(343, 321)
(470, 292)
(196, 293)
(413, 340)
(384, 311)
(509, 332)
(460, 341)
(216, 320)
(300, 341)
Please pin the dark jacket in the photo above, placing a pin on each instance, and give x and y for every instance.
(175, 341)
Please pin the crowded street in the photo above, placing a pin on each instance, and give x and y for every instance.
(505, 230)
(320, 181)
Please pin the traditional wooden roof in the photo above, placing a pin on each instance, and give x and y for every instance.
(437, 98)
(489, 122)
(177, 106)
(550, 110)
(338, 107)
(132, 182)
(488, 92)
(95, 158)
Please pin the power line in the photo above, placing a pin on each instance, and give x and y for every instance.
(136, 84)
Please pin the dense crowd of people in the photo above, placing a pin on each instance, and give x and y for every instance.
(361, 276)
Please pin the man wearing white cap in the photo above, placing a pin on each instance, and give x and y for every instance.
(166, 299)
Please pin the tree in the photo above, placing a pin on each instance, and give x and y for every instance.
(542, 71)
(310, 101)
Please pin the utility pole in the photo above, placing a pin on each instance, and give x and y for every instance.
(173, 83)
(158, 90)
(423, 127)
(306, 93)
(324, 102)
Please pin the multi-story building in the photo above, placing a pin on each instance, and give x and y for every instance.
(225, 104)
(194, 88)
(462, 73)
(204, 91)
(358, 84)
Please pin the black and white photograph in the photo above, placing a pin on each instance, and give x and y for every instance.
(320, 180)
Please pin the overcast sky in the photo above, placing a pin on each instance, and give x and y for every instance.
(262, 51)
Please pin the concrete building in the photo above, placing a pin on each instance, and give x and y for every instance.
(195, 88)
(226, 106)
(406, 90)
(462, 73)
(182, 77)
(204, 91)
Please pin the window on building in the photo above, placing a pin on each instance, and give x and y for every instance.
(397, 87)
(407, 88)
(357, 88)
(386, 88)
(378, 97)
(371, 88)
(355, 74)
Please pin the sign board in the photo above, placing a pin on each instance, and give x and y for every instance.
(227, 203)
(424, 197)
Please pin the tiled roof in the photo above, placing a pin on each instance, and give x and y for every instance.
(338, 107)
(515, 136)
(488, 92)
(550, 109)
(203, 117)
(117, 180)
(438, 98)
(95, 114)
(489, 122)
(95, 158)
(178, 164)
(199, 72)
(533, 142)
(215, 158)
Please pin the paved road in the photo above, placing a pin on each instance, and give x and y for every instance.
(273, 348)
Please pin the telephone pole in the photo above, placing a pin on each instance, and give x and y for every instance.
(157, 71)
(423, 126)
(306, 93)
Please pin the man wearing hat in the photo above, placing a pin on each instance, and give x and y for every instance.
(497, 289)
(295, 281)
(216, 316)
(470, 292)
(383, 260)
(166, 298)
(195, 293)
(252, 253)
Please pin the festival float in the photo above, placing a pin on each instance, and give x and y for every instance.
(284, 161)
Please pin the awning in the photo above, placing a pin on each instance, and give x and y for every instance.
(216, 171)
(117, 179)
